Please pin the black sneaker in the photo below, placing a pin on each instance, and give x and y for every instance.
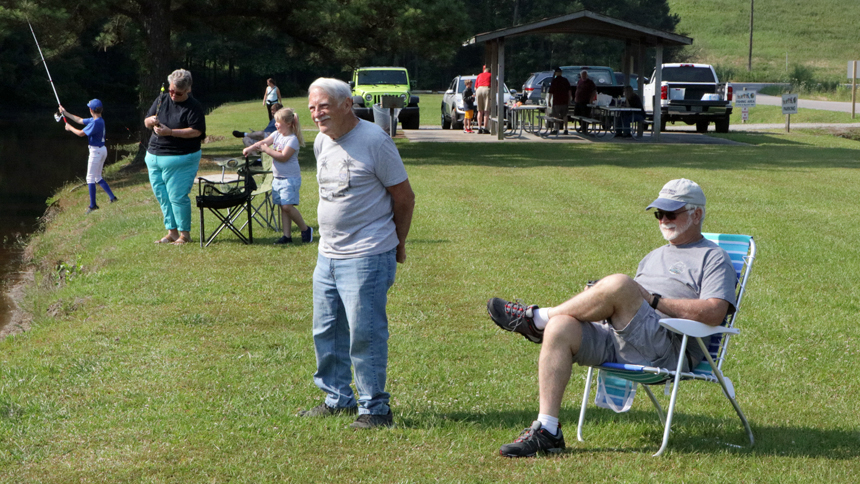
(92, 209)
(308, 235)
(323, 410)
(238, 134)
(533, 440)
(516, 317)
(114, 199)
(368, 421)
(565, 131)
(284, 240)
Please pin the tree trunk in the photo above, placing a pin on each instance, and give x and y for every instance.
(156, 58)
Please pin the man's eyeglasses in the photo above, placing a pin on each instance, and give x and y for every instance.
(174, 92)
(659, 214)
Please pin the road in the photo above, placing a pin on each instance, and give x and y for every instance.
(844, 107)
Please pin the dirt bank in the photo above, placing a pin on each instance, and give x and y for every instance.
(19, 320)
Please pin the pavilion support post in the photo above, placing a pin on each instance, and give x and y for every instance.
(626, 61)
(658, 80)
(499, 93)
(639, 68)
(641, 72)
(492, 64)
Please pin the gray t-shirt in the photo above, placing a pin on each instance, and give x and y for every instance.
(289, 168)
(700, 270)
(355, 213)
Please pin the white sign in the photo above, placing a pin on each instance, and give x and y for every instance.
(745, 99)
(851, 74)
(789, 104)
(745, 114)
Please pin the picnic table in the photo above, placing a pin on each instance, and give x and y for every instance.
(611, 119)
(525, 117)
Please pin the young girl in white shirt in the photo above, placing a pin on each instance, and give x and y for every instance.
(283, 146)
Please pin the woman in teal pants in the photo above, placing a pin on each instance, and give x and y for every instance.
(173, 156)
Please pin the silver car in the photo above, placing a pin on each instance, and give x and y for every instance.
(452, 102)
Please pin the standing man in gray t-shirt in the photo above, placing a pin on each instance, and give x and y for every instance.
(364, 215)
(617, 320)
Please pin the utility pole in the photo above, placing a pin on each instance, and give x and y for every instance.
(749, 62)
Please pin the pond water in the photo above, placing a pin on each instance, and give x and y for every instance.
(37, 156)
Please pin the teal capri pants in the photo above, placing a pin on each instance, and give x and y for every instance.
(172, 178)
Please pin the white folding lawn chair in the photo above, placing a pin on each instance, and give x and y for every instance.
(713, 340)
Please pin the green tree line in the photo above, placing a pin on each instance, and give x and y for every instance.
(122, 50)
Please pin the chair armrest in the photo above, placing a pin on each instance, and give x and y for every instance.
(694, 329)
(230, 163)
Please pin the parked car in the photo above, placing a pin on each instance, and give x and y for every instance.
(634, 80)
(537, 83)
(369, 84)
(452, 102)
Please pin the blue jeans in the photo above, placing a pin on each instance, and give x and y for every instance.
(351, 329)
(172, 178)
(627, 118)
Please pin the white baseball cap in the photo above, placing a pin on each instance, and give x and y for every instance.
(678, 193)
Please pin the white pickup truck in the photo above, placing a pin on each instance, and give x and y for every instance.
(691, 93)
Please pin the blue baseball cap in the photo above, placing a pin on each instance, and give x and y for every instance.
(94, 104)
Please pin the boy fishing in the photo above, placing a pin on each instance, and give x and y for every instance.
(94, 130)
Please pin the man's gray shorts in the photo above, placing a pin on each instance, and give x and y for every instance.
(642, 342)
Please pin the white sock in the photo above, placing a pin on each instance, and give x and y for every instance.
(549, 423)
(541, 317)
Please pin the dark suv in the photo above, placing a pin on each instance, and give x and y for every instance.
(534, 85)
(634, 80)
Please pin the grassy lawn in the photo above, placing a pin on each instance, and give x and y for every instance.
(249, 116)
(839, 94)
(773, 114)
(148, 363)
(815, 35)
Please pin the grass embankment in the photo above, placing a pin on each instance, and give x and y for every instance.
(817, 37)
(150, 363)
(773, 114)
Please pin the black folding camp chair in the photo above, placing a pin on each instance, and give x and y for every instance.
(227, 201)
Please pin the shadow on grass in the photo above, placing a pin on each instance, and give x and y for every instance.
(772, 152)
(691, 433)
(754, 138)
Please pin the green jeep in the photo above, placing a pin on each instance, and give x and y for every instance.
(369, 84)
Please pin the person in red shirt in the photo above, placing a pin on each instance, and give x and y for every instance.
(559, 98)
(482, 95)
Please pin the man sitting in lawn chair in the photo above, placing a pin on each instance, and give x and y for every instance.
(616, 320)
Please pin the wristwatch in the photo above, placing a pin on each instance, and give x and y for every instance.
(655, 300)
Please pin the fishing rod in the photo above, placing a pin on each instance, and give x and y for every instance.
(158, 108)
(63, 116)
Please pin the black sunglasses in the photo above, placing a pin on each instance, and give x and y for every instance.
(659, 214)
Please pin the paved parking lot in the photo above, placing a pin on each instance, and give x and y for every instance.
(435, 134)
